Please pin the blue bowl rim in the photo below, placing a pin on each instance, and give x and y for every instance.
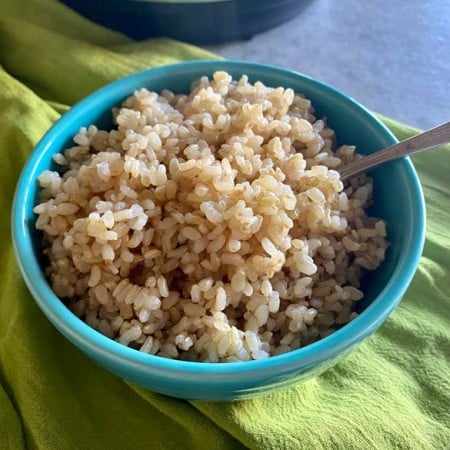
(86, 337)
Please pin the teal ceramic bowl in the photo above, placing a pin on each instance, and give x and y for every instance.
(397, 198)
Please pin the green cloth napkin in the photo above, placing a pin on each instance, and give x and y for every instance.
(391, 393)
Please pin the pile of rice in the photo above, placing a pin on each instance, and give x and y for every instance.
(211, 226)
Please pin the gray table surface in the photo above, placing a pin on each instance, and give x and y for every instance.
(392, 56)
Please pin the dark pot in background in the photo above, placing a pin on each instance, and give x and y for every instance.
(194, 21)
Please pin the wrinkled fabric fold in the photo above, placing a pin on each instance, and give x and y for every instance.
(392, 392)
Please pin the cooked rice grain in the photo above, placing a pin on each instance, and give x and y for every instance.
(211, 226)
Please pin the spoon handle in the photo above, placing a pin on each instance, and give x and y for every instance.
(423, 141)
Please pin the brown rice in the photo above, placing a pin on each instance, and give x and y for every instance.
(211, 226)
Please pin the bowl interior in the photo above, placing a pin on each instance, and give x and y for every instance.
(398, 198)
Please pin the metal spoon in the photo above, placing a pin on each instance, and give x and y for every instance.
(423, 141)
